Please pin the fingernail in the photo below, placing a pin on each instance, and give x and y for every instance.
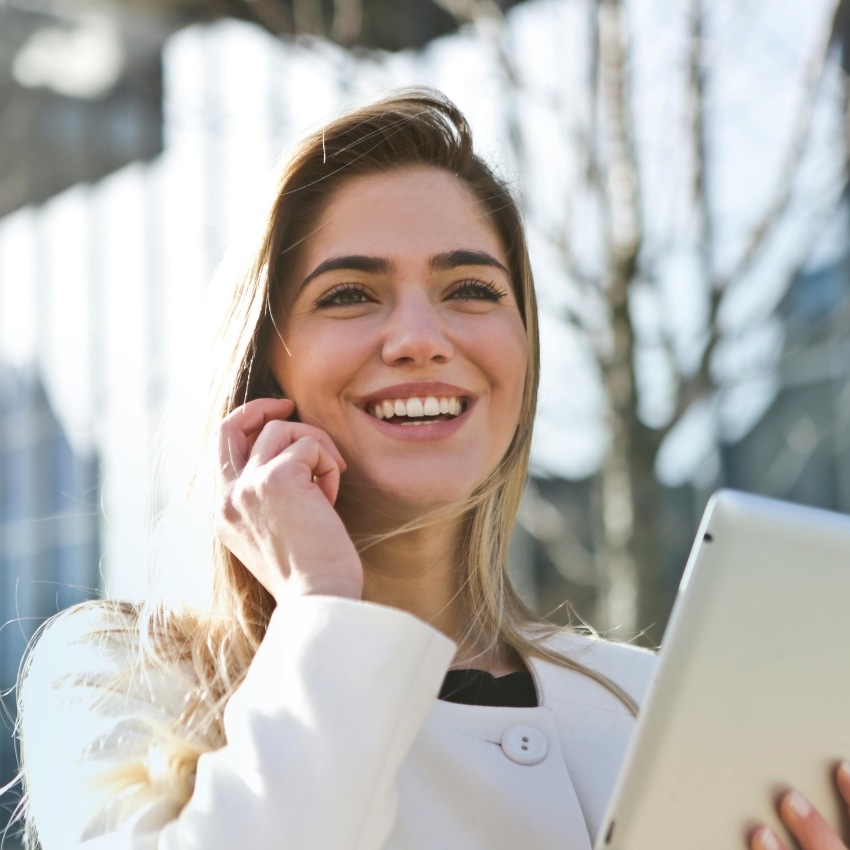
(844, 768)
(798, 804)
(767, 840)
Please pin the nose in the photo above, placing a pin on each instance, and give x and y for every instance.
(414, 333)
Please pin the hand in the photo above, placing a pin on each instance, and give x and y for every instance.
(278, 483)
(804, 821)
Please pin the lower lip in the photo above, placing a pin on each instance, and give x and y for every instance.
(414, 433)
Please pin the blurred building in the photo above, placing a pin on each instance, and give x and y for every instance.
(49, 521)
(79, 98)
(801, 449)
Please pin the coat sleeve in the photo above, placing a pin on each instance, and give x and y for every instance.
(316, 734)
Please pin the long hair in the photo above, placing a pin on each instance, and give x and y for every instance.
(405, 129)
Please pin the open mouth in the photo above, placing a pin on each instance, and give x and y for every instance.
(418, 411)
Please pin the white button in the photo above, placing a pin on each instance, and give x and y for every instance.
(525, 745)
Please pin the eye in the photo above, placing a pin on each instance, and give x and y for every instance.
(344, 295)
(479, 290)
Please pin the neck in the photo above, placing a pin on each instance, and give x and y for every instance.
(418, 571)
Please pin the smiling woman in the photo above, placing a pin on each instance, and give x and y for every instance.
(372, 427)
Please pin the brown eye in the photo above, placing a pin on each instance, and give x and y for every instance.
(344, 296)
(478, 290)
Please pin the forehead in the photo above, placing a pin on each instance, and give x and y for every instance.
(406, 216)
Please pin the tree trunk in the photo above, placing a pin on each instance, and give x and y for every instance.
(633, 600)
(626, 549)
(653, 599)
(618, 575)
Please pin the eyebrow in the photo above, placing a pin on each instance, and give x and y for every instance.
(380, 265)
(464, 257)
(353, 262)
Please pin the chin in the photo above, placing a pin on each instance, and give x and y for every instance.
(438, 490)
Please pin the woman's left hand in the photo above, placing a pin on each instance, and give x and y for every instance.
(804, 821)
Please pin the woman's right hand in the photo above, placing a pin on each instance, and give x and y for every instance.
(278, 482)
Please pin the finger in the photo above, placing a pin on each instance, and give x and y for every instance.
(238, 430)
(253, 415)
(766, 839)
(278, 436)
(322, 468)
(842, 779)
(806, 824)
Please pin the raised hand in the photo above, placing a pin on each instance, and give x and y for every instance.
(805, 823)
(278, 481)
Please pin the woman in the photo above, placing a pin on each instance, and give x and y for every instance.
(374, 421)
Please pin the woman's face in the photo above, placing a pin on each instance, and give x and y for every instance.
(403, 339)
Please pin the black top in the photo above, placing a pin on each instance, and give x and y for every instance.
(476, 687)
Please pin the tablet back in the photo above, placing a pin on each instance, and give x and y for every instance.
(752, 692)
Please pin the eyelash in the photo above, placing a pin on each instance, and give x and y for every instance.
(327, 300)
(486, 292)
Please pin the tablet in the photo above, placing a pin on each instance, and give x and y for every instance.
(752, 691)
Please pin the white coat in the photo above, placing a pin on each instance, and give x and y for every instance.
(336, 740)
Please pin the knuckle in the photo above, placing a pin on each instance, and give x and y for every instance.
(303, 451)
(266, 486)
(227, 421)
(271, 483)
(276, 426)
(279, 475)
(225, 515)
(242, 493)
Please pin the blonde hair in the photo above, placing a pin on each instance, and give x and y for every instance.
(404, 129)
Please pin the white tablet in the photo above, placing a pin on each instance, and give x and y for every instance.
(752, 692)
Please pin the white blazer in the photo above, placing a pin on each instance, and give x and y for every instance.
(336, 739)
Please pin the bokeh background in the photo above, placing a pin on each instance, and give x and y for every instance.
(683, 169)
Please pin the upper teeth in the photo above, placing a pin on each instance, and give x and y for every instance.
(429, 406)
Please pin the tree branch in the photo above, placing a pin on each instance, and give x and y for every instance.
(698, 385)
(799, 139)
(621, 193)
(701, 383)
(696, 87)
(621, 164)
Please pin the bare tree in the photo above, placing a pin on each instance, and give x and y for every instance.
(632, 550)
(629, 551)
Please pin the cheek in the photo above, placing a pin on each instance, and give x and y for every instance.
(510, 357)
(505, 363)
(316, 364)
